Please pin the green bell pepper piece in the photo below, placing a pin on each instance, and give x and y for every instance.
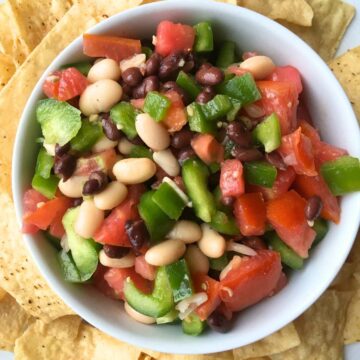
(180, 280)
(216, 108)
(157, 304)
(219, 204)
(195, 175)
(226, 54)
(268, 133)
(288, 256)
(220, 263)
(192, 325)
(321, 228)
(242, 88)
(123, 115)
(197, 120)
(88, 135)
(47, 187)
(156, 105)
(236, 106)
(204, 39)
(44, 164)
(140, 151)
(228, 147)
(69, 270)
(224, 224)
(342, 175)
(170, 317)
(188, 83)
(147, 51)
(169, 201)
(214, 167)
(83, 66)
(260, 173)
(157, 222)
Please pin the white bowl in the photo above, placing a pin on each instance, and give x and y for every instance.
(331, 112)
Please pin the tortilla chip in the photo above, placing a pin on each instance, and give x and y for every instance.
(331, 19)
(226, 355)
(345, 279)
(352, 326)
(2, 293)
(7, 69)
(282, 340)
(321, 329)
(294, 11)
(14, 321)
(347, 70)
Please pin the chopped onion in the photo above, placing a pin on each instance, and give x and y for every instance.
(188, 305)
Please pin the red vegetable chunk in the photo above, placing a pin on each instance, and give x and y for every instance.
(176, 117)
(287, 74)
(231, 178)
(144, 269)
(207, 148)
(102, 161)
(30, 200)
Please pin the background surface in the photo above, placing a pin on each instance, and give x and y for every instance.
(351, 39)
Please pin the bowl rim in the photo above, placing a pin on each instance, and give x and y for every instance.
(54, 282)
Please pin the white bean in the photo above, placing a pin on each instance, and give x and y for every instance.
(165, 253)
(196, 260)
(73, 186)
(167, 161)
(125, 146)
(141, 318)
(154, 135)
(103, 144)
(134, 170)
(124, 262)
(212, 244)
(259, 66)
(137, 60)
(100, 96)
(112, 196)
(186, 231)
(89, 219)
(104, 69)
(111, 174)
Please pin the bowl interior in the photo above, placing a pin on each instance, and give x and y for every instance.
(331, 112)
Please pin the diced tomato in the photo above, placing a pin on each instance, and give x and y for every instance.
(115, 278)
(250, 280)
(282, 98)
(287, 215)
(101, 284)
(137, 103)
(112, 47)
(171, 37)
(176, 117)
(250, 214)
(315, 185)
(102, 161)
(281, 283)
(297, 151)
(236, 69)
(207, 148)
(211, 287)
(231, 178)
(51, 85)
(287, 74)
(282, 183)
(144, 269)
(112, 230)
(56, 227)
(248, 54)
(303, 113)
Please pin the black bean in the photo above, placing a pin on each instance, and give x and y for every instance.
(189, 62)
(313, 208)
(137, 234)
(236, 132)
(153, 64)
(115, 252)
(275, 159)
(136, 141)
(228, 200)
(110, 129)
(65, 166)
(62, 150)
(96, 183)
(151, 83)
(139, 91)
(209, 76)
(132, 76)
(77, 202)
(170, 65)
(244, 154)
(100, 177)
(172, 85)
(218, 322)
(254, 242)
(127, 89)
(205, 95)
(181, 138)
(185, 153)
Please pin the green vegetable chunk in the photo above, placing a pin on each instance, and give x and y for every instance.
(157, 222)
(83, 66)
(220, 263)
(204, 40)
(197, 120)
(59, 121)
(288, 256)
(47, 187)
(68, 268)
(219, 204)
(147, 51)
(156, 105)
(44, 164)
(83, 251)
(140, 151)
(226, 54)
(180, 280)
(187, 82)
(260, 173)
(342, 175)
(236, 106)
(268, 133)
(242, 88)
(224, 224)
(192, 325)
(157, 304)
(195, 175)
(321, 228)
(88, 135)
(170, 317)
(216, 108)
(123, 115)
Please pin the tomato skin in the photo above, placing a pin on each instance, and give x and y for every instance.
(207, 148)
(144, 269)
(250, 214)
(103, 161)
(287, 215)
(287, 74)
(212, 288)
(176, 117)
(51, 85)
(232, 178)
(315, 185)
(171, 37)
(138, 103)
(296, 150)
(101, 284)
(251, 280)
(112, 47)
